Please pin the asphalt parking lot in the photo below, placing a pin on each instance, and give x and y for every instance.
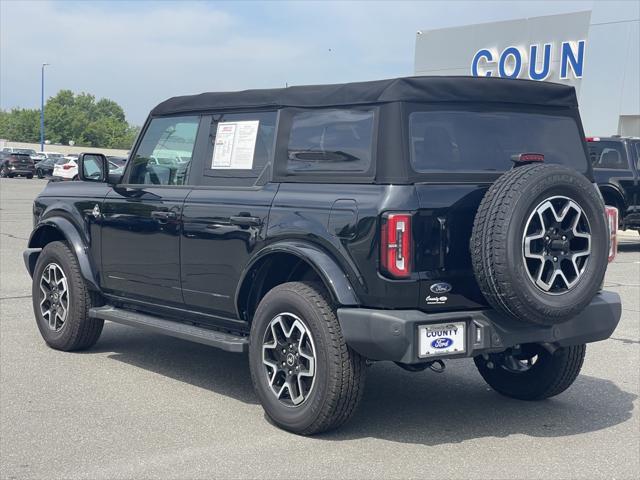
(140, 405)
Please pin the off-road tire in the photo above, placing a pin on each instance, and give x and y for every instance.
(340, 371)
(79, 330)
(497, 246)
(550, 376)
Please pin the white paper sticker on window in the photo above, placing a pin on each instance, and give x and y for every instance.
(235, 144)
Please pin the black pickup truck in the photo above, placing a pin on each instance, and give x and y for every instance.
(616, 168)
(318, 228)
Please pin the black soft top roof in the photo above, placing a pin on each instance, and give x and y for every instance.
(408, 89)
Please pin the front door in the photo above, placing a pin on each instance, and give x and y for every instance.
(142, 217)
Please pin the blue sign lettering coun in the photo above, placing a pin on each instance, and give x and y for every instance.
(510, 62)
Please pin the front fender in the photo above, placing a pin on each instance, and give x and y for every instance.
(326, 267)
(66, 229)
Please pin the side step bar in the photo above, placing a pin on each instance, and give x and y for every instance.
(224, 341)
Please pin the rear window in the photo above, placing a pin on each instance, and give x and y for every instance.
(330, 140)
(608, 154)
(486, 141)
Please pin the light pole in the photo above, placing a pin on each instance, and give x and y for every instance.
(42, 110)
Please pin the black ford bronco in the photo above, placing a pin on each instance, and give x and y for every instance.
(616, 169)
(317, 228)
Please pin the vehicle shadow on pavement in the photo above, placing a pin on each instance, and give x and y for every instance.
(422, 408)
(629, 246)
(198, 365)
(432, 409)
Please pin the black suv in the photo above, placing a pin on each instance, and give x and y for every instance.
(616, 168)
(16, 165)
(321, 227)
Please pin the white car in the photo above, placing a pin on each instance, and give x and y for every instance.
(66, 168)
(45, 155)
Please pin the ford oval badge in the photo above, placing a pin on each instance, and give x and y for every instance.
(442, 287)
(443, 342)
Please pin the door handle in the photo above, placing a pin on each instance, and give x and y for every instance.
(243, 221)
(164, 215)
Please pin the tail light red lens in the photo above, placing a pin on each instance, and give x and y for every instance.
(67, 166)
(612, 221)
(396, 245)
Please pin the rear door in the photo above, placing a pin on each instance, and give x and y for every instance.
(226, 214)
(142, 217)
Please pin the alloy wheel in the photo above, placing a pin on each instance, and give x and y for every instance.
(54, 301)
(289, 359)
(556, 245)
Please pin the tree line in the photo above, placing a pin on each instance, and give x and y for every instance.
(71, 117)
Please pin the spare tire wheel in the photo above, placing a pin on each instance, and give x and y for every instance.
(539, 245)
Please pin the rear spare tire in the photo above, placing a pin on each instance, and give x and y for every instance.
(539, 245)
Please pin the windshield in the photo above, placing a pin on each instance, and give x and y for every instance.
(25, 151)
(485, 141)
(608, 154)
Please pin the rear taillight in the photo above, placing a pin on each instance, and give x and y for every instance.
(396, 245)
(612, 221)
(67, 166)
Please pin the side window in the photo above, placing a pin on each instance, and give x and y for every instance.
(241, 146)
(608, 155)
(637, 156)
(164, 154)
(331, 140)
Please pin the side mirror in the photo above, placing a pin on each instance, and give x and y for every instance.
(93, 167)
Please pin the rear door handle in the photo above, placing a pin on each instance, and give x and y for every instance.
(243, 221)
(164, 215)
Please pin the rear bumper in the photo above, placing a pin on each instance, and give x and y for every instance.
(21, 171)
(393, 334)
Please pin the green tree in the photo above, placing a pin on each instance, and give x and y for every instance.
(69, 116)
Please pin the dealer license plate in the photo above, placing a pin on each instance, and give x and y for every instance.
(442, 339)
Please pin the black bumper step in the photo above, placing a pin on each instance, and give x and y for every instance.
(224, 341)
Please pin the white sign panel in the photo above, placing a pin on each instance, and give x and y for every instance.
(235, 144)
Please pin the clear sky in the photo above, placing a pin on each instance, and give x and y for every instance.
(140, 53)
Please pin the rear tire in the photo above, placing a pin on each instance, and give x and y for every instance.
(40, 174)
(312, 404)
(549, 375)
(29, 177)
(67, 325)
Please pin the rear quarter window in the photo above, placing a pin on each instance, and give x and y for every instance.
(608, 155)
(331, 140)
(485, 141)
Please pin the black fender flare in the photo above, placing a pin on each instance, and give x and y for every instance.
(75, 240)
(332, 275)
(613, 189)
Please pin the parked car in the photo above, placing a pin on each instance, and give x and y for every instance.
(412, 220)
(45, 155)
(65, 168)
(14, 164)
(44, 168)
(119, 161)
(27, 151)
(616, 167)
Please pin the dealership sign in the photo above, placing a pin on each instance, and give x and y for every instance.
(510, 63)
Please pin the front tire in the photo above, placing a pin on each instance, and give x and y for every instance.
(40, 174)
(531, 372)
(307, 379)
(61, 300)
